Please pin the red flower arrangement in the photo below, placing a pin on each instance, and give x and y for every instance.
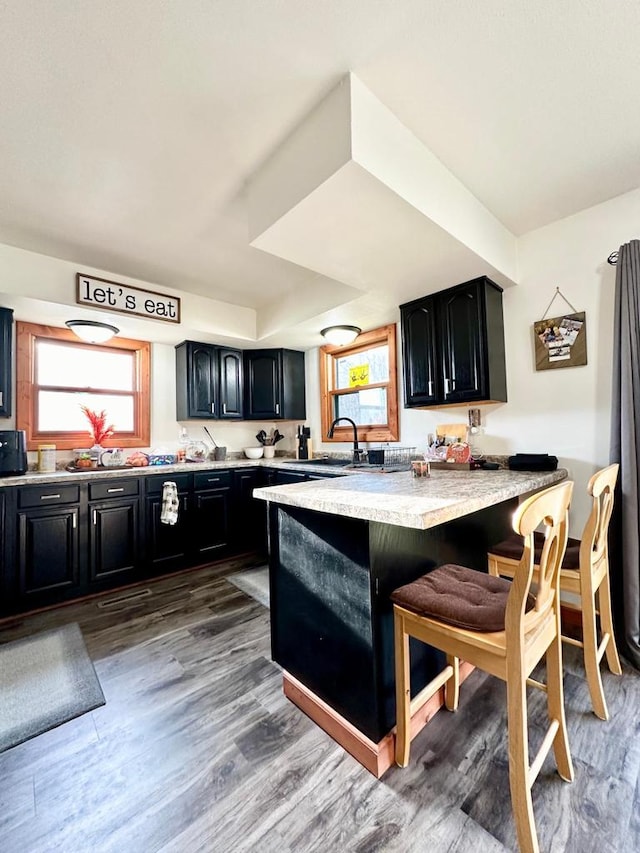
(98, 420)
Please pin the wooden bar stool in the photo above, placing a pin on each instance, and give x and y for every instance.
(502, 628)
(584, 572)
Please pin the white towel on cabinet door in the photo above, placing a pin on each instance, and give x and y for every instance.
(170, 503)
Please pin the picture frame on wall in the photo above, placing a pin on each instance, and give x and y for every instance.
(561, 341)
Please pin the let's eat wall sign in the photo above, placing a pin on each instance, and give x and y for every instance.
(100, 293)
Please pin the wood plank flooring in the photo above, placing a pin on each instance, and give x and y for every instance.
(197, 749)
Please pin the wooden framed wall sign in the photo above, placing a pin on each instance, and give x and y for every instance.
(561, 341)
(100, 293)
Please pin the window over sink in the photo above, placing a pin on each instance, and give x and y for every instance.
(359, 381)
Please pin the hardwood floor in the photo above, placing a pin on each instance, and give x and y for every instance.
(197, 749)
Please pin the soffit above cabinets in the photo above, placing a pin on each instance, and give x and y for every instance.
(353, 195)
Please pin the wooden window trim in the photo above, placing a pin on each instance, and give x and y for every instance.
(328, 356)
(26, 336)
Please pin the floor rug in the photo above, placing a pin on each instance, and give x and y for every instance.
(45, 680)
(253, 582)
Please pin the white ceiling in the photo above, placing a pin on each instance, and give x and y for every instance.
(130, 130)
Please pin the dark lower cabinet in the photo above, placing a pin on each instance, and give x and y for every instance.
(210, 523)
(67, 539)
(114, 531)
(48, 549)
(44, 544)
(202, 529)
(167, 545)
(249, 514)
(114, 540)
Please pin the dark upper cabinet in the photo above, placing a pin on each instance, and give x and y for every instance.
(422, 376)
(208, 381)
(6, 333)
(453, 346)
(274, 385)
(230, 368)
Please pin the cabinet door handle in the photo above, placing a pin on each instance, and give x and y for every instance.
(184, 504)
(213, 480)
(1, 397)
(213, 408)
(446, 386)
(115, 490)
(95, 517)
(430, 387)
(75, 520)
(224, 408)
(48, 497)
(277, 408)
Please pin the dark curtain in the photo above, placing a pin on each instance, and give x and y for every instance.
(625, 449)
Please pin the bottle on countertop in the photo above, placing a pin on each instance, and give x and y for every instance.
(183, 442)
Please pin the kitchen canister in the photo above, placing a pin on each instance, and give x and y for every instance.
(46, 458)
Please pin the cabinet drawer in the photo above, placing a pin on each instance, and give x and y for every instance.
(50, 495)
(113, 489)
(155, 484)
(212, 479)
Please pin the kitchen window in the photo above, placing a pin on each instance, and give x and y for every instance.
(358, 381)
(56, 374)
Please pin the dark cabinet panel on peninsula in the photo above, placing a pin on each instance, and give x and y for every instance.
(274, 385)
(208, 382)
(6, 334)
(453, 346)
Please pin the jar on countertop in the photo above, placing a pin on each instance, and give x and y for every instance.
(46, 458)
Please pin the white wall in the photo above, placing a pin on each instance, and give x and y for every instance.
(42, 289)
(565, 412)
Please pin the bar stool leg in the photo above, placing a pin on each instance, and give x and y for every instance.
(452, 685)
(403, 691)
(555, 705)
(606, 626)
(590, 649)
(519, 764)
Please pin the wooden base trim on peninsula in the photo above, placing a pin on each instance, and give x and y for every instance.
(377, 758)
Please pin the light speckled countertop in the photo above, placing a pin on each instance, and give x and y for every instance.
(403, 500)
(34, 478)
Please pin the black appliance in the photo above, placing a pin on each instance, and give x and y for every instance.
(303, 443)
(533, 462)
(13, 452)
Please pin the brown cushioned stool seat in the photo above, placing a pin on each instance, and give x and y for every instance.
(512, 548)
(458, 596)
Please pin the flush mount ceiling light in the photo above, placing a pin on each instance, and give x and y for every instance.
(340, 335)
(91, 331)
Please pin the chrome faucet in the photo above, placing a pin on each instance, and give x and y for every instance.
(356, 449)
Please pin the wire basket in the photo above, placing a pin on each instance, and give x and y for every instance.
(391, 455)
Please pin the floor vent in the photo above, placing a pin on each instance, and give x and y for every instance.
(126, 598)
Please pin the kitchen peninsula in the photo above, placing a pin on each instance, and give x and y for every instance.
(338, 548)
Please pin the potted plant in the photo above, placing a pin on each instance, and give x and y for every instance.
(98, 430)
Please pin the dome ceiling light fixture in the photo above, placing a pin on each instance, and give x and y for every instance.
(91, 331)
(340, 335)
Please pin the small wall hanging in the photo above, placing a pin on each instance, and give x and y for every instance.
(560, 341)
